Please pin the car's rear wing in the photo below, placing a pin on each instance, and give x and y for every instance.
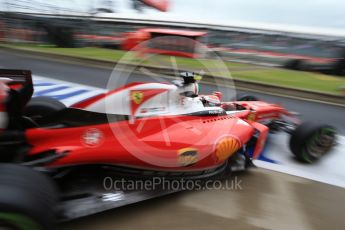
(15, 78)
(21, 88)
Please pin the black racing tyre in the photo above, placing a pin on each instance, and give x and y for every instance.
(309, 141)
(42, 106)
(27, 198)
(246, 97)
(294, 64)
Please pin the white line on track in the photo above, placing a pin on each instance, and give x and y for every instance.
(299, 173)
(48, 90)
(39, 78)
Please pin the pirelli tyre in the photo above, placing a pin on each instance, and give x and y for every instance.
(295, 64)
(246, 97)
(310, 141)
(27, 199)
(42, 106)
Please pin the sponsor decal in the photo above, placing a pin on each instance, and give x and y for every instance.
(144, 110)
(92, 137)
(226, 147)
(112, 197)
(152, 110)
(137, 97)
(187, 156)
(267, 115)
(215, 112)
(251, 116)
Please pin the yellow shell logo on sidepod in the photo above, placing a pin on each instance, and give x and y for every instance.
(226, 147)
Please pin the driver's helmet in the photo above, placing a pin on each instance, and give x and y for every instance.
(211, 101)
(189, 84)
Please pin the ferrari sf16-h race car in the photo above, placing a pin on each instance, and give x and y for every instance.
(54, 159)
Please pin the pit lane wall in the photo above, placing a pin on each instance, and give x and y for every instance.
(239, 84)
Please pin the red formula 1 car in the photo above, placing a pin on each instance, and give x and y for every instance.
(55, 159)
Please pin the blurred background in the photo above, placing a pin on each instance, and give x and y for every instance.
(293, 35)
(290, 44)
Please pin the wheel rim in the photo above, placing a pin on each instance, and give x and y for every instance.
(10, 220)
(319, 144)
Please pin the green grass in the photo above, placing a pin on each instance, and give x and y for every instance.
(89, 52)
(197, 64)
(282, 77)
(116, 55)
(294, 79)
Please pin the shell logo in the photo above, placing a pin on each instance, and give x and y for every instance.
(251, 116)
(226, 147)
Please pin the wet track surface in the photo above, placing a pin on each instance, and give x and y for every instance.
(267, 200)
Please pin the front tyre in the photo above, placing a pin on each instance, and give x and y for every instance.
(309, 141)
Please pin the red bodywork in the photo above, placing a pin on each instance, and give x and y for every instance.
(260, 111)
(257, 113)
(191, 142)
(150, 143)
(201, 133)
(155, 142)
(171, 46)
(161, 5)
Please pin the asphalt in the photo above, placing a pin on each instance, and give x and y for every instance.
(267, 200)
(264, 200)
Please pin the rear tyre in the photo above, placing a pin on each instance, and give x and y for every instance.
(309, 141)
(294, 64)
(27, 198)
(246, 97)
(42, 106)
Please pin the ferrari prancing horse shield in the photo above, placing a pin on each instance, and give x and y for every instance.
(137, 97)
